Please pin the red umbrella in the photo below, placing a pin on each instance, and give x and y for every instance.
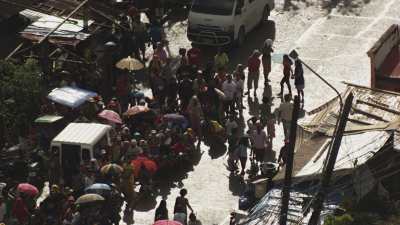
(28, 189)
(167, 222)
(110, 116)
(145, 162)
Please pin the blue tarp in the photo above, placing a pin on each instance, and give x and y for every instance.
(70, 96)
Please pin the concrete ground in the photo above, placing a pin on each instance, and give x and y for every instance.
(332, 38)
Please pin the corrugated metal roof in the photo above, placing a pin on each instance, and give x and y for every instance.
(355, 150)
(267, 211)
(82, 133)
(372, 108)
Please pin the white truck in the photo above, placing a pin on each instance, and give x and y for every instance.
(225, 22)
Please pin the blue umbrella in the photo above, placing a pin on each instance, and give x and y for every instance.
(98, 187)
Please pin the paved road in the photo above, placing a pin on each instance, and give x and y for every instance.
(332, 39)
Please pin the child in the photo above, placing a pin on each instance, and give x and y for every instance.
(193, 220)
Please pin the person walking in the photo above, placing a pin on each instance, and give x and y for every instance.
(287, 72)
(241, 152)
(229, 88)
(266, 58)
(299, 80)
(180, 208)
(161, 211)
(253, 64)
(284, 114)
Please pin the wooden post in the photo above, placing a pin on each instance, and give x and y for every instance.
(318, 202)
(289, 163)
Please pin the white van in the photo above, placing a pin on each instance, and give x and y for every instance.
(223, 22)
(79, 143)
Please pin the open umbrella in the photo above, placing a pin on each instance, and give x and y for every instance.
(110, 116)
(176, 119)
(111, 169)
(99, 186)
(137, 109)
(130, 64)
(143, 162)
(89, 198)
(28, 189)
(167, 222)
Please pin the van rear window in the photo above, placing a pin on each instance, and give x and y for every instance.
(213, 7)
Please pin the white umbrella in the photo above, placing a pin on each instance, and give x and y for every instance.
(130, 64)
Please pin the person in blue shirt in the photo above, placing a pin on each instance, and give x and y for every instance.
(155, 33)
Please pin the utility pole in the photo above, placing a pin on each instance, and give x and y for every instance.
(86, 16)
(318, 202)
(289, 163)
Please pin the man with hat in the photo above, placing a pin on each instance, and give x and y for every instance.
(254, 71)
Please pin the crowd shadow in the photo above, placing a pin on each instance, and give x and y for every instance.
(344, 7)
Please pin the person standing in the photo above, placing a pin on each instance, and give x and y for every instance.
(284, 114)
(266, 58)
(185, 91)
(229, 89)
(221, 60)
(180, 208)
(231, 128)
(239, 80)
(140, 32)
(128, 184)
(195, 113)
(161, 211)
(287, 72)
(299, 80)
(254, 71)
(194, 56)
(259, 141)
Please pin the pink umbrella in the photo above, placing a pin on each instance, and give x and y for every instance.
(166, 222)
(110, 116)
(28, 189)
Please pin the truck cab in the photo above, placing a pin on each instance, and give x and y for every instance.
(225, 22)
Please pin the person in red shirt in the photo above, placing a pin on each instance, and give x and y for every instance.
(253, 65)
(194, 56)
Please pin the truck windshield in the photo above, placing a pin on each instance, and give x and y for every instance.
(214, 7)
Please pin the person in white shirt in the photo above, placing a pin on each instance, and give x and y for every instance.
(231, 131)
(284, 114)
(229, 89)
(259, 141)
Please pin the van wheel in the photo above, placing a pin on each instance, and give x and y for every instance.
(264, 16)
(241, 37)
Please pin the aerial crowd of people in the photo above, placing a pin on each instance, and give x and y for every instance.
(200, 102)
